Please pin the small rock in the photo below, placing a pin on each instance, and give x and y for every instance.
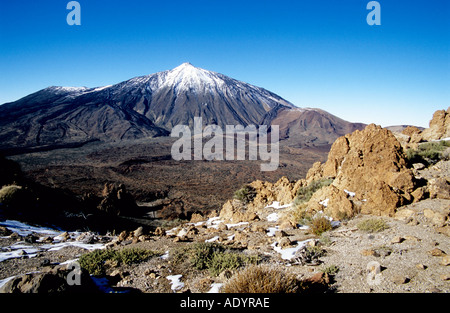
(159, 231)
(435, 290)
(280, 234)
(258, 228)
(420, 266)
(15, 236)
(397, 239)
(437, 252)
(418, 166)
(444, 230)
(445, 277)
(138, 232)
(284, 242)
(47, 240)
(445, 260)
(369, 252)
(404, 214)
(122, 236)
(412, 238)
(400, 279)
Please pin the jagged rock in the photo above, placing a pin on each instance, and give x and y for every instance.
(372, 165)
(138, 232)
(439, 188)
(159, 231)
(419, 194)
(284, 191)
(233, 211)
(439, 126)
(116, 200)
(338, 204)
(437, 217)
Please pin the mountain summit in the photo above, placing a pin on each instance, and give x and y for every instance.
(145, 106)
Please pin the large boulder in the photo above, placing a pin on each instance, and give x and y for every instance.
(57, 280)
(369, 171)
(439, 126)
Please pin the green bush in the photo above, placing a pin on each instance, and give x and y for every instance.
(213, 257)
(330, 269)
(94, 261)
(229, 261)
(246, 194)
(202, 253)
(429, 152)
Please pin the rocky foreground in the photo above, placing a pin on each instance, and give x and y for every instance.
(372, 218)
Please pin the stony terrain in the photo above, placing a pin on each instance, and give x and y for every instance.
(368, 179)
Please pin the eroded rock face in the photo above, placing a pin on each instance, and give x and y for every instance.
(283, 191)
(369, 166)
(439, 126)
(116, 200)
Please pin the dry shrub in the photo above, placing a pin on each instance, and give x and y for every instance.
(319, 225)
(372, 225)
(261, 279)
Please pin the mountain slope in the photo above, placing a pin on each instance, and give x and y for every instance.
(308, 126)
(175, 97)
(145, 106)
(149, 106)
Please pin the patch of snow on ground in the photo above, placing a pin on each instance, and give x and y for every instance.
(324, 202)
(351, 194)
(24, 229)
(175, 282)
(215, 288)
(212, 239)
(237, 224)
(165, 256)
(21, 249)
(273, 217)
(289, 253)
(271, 231)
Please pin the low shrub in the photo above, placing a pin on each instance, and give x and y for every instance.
(319, 224)
(246, 194)
(16, 197)
(94, 261)
(330, 269)
(261, 279)
(372, 225)
(430, 152)
(213, 257)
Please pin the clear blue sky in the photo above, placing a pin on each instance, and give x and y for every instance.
(312, 53)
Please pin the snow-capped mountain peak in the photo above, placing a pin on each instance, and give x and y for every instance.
(188, 77)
